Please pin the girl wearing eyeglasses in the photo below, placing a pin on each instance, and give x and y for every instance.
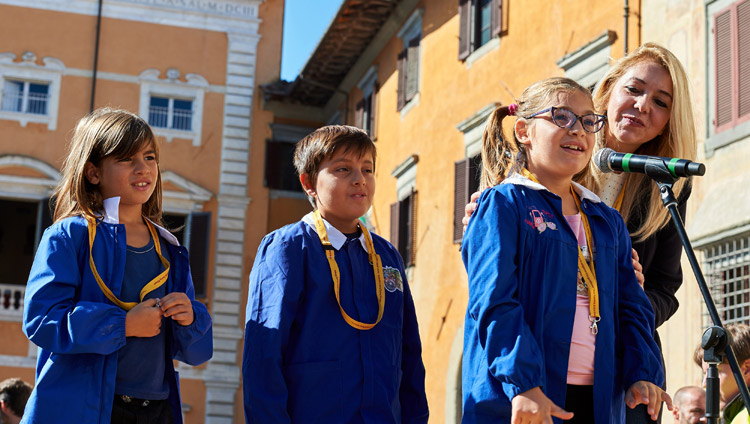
(556, 325)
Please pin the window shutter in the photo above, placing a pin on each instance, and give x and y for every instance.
(359, 113)
(464, 29)
(395, 224)
(412, 69)
(460, 196)
(743, 58)
(373, 110)
(497, 17)
(401, 80)
(723, 65)
(412, 229)
(199, 230)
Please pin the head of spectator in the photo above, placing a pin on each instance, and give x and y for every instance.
(689, 405)
(14, 393)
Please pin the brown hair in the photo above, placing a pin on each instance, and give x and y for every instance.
(15, 392)
(324, 142)
(500, 153)
(102, 133)
(677, 140)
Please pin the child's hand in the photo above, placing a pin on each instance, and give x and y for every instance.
(643, 392)
(178, 307)
(144, 320)
(533, 406)
(638, 269)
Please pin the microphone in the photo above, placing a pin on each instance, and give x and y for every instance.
(607, 160)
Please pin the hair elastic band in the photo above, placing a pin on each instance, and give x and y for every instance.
(512, 108)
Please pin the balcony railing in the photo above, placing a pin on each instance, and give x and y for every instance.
(11, 299)
(36, 103)
(182, 119)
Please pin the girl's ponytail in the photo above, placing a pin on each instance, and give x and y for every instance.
(498, 154)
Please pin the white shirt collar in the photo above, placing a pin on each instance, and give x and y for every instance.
(582, 191)
(336, 237)
(112, 216)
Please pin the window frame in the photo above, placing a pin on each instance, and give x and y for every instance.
(738, 127)
(469, 49)
(193, 88)
(365, 112)
(403, 229)
(28, 71)
(409, 62)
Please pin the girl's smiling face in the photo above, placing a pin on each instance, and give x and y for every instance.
(639, 106)
(556, 154)
(132, 178)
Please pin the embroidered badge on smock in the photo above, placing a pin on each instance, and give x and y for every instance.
(392, 279)
(541, 220)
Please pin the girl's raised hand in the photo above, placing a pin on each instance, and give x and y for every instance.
(533, 406)
(144, 320)
(643, 392)
(178, 307)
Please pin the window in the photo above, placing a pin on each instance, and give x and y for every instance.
(726, 266)
(466, 182)
(365, 110)
(193, 231)
(404, 211)
(30, 92)
(173, 106)
(480, 21)
(170, 113)
(25, 97)
(408, 61)
(588, 64)
(280, 173)
(728, 88)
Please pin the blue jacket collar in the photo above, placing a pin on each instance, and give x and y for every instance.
(582, 191)
(111, 215)
(336, 237)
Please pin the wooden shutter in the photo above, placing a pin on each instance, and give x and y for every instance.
(460, 196)
(743, 59)
(723, 67)
(395, 224)
(359, 113)
(401, 93)
(464, 29)
(496, 16)
(412, 229)
(373, 110)
(412, 69)
(199, 230)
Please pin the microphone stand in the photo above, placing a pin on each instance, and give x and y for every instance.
(715, 340)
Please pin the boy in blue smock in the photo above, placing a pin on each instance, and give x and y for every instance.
(331, 332)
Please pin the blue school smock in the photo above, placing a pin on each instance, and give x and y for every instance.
(79, 331)
(522, 261)
(302, 362)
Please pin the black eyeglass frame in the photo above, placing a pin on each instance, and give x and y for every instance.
(600, 119)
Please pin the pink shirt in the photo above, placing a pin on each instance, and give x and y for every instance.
(583, 341)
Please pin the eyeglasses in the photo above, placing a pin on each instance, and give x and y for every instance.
(564, 118)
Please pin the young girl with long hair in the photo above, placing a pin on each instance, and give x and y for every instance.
(110, 301)
(555, 317)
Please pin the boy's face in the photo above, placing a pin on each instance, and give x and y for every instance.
(727, 386)
(344, 188)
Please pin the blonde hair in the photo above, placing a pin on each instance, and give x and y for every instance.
(501, 154)
(102, 133)
(677, 139)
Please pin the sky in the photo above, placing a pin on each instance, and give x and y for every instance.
(305, 21)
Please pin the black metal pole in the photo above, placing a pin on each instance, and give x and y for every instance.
(667, 196)
(96, 55)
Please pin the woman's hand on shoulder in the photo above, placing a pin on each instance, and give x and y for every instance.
(638, 269)
(533, 406)
(643, 392)
(470, 208)
(177, 306)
